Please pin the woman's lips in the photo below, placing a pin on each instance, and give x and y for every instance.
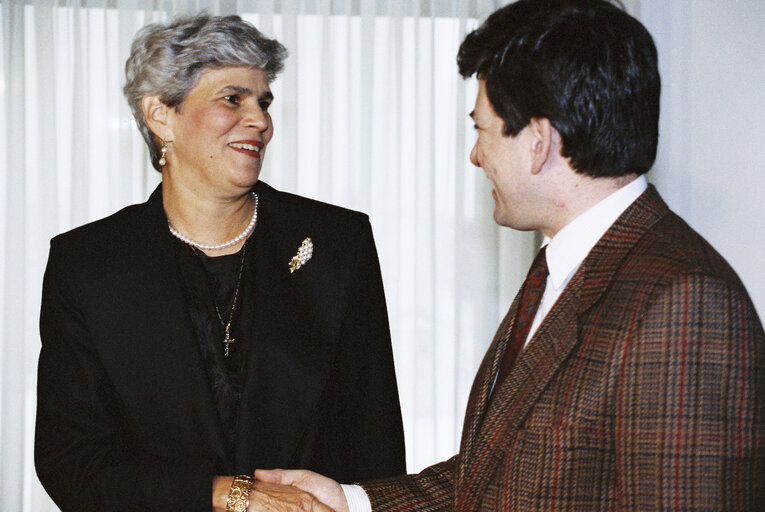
(250, 147)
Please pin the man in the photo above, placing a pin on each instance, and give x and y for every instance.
(641, 384)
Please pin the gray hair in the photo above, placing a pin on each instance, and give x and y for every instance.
(168, 60)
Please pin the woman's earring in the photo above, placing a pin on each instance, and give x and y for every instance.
(162, 150)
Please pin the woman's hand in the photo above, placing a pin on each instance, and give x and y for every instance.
(221, 488)
(267, 497)
(321, 487)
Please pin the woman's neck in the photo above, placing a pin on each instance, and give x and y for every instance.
(208, 220)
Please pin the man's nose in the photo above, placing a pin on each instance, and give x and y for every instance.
(474, 156)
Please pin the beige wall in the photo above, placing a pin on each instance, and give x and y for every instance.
(712, 132)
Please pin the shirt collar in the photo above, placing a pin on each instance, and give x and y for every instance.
(568, 248)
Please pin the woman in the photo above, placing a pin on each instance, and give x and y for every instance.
(220, 327)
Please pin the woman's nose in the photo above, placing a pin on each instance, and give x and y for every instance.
(256, 117)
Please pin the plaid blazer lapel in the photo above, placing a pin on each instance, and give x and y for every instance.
(518, 394)
(609, 253)
(489, 435)
(478, 399)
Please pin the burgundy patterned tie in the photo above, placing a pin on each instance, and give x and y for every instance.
(533, 289)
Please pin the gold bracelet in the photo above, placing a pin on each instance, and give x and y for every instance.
(238, 494)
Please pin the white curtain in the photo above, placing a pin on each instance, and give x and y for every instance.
(370, 113)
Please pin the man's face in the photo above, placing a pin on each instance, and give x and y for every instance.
(506, 162)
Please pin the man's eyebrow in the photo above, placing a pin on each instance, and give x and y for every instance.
(472, 116)
(268, 95)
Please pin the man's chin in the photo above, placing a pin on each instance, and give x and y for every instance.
(499, 218)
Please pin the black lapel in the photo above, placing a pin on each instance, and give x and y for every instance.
(291, 353)
(156, 335)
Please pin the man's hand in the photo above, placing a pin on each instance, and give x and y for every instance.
(324, 489)
(268, 497)
(274, 497)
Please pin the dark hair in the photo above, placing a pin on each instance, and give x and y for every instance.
(586, 65)
(168, 59)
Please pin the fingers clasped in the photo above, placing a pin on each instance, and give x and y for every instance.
(273, 497)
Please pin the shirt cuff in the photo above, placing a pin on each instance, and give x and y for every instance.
(357, 498)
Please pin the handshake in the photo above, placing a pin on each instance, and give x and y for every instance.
(280, 490)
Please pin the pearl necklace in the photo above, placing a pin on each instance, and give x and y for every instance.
(241, 236)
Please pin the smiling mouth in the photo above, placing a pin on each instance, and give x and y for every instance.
(247, 148)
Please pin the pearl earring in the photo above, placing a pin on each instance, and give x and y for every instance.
(162, 150)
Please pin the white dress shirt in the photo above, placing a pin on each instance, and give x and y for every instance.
(565, 253)
(570, 246)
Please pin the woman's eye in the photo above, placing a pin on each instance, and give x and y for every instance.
(232, 98)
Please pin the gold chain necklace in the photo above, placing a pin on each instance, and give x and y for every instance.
(228, 340)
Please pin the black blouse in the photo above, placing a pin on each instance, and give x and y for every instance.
(209, 285)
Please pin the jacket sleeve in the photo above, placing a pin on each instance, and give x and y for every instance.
(82, 450)
(690, 415)
(363, 388)
(430, 490)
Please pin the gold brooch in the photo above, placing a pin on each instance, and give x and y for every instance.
(303, 255)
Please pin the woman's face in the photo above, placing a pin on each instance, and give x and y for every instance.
(220, 132)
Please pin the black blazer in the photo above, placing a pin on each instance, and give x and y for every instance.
(125, 415)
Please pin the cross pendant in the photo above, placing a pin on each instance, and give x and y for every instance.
(228, 341)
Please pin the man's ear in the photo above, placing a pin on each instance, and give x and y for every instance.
(155, 113)
(541, 131)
